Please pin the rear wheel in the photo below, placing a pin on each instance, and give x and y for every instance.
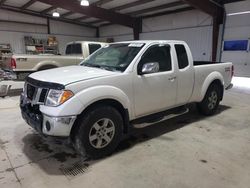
(99, 132)
(210, 103)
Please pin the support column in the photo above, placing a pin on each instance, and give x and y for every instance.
(48, 25)
(137, 29)
(97, 34)
(216, 28)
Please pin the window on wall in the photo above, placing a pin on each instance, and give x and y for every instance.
(236, 45)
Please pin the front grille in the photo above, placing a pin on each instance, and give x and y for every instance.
(43, 95)
(35, 94)
(30, 91)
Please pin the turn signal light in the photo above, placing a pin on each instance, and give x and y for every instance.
(65, 96)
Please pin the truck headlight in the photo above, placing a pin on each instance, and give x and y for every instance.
(58, 97)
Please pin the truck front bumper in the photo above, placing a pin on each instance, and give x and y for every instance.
(45, 124)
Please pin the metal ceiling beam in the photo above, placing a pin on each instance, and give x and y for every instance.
(82, 18)
(97, 3)
(33, 13)
(29, 3)
(132, 4)
(101, 2)
(93, 11)
(168, 12)
(206, 6)
(95, 22)
(156, 8)
(67, 14)
(2, 2)
(48, 10)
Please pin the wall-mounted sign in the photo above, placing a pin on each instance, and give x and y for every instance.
(236, 45)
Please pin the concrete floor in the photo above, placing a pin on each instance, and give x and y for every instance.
(191, 151)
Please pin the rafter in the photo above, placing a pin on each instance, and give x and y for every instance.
(156, 8)
(29, 3)
(95, 22)
(101, 2)
(2, 2)
(169, 12)
(48, 10)
(206, 6)
(67, 14)
(93, 11)
(82, 18)
(33, 13)
(132, 4)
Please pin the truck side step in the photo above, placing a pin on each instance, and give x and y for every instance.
(159, 117)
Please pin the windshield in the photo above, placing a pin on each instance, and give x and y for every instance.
(114, 57)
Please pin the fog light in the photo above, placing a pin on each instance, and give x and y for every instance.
(64, 120)
(48, 127)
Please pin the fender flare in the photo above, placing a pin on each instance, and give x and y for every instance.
(207, 82)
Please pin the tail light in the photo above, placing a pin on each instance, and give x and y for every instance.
(232, 71)
(13, 63)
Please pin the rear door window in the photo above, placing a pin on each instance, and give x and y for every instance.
(93, 48)
(181, 56)
(74, 49)
(77, 49)
(68, 49)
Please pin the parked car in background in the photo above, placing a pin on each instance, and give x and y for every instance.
(125, 84)
(23, 64)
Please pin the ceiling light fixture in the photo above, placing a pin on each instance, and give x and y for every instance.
(84, 3)
(238, 13)
(56, 14)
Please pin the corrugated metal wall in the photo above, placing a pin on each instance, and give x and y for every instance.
(238, 28)
(194, 27)
(14, 33)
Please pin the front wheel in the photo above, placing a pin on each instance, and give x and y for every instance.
(99, 132)
(210, 103)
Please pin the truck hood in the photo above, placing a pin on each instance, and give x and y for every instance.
(70, 74)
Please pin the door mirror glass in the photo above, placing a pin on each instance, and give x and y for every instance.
(151, 67)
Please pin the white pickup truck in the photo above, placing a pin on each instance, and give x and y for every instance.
(24, 64)
(124, 84)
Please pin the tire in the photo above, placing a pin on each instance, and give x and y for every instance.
(92, 138)
(210, 102)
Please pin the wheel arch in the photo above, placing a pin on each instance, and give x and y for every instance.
(213, 78)
(104, 102)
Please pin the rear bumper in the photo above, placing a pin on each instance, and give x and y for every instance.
(44, 124)
(229, 87)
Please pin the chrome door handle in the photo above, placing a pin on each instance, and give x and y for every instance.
(172, 78)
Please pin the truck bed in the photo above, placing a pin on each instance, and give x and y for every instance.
(197, 63)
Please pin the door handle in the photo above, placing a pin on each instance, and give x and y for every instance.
(172, 78)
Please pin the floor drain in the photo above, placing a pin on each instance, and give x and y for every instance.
(75, 170)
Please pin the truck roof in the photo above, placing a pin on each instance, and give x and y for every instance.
(153, 41)
(86, 42)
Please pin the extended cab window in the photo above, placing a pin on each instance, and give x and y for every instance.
(159, 54)
(93, 48)
(181, 56)
(68, 49)
(74, 49)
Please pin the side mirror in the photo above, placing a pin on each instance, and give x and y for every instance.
(149, 68)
